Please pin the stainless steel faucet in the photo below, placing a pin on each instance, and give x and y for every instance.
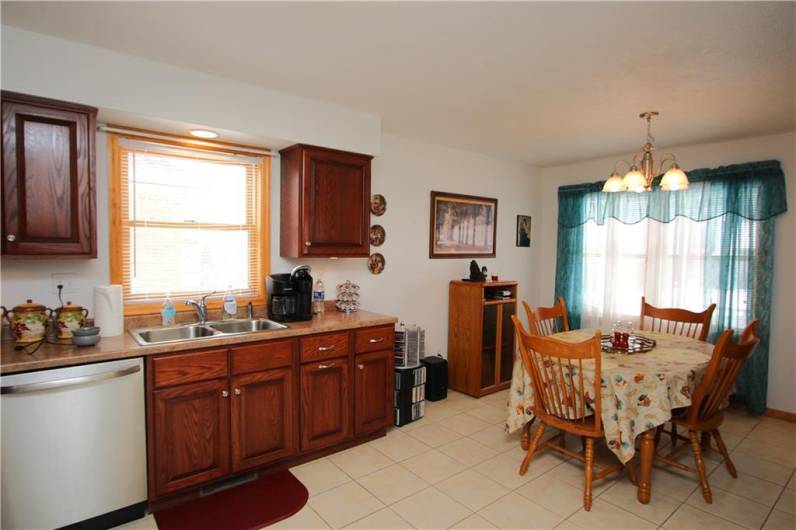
(200, 306)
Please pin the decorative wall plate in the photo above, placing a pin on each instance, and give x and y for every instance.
(376, 263)
(377, 235)
(378, 204)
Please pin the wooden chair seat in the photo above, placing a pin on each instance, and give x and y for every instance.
(563, 400)
(704, 417)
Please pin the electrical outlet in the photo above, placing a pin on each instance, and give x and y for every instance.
(67, 279)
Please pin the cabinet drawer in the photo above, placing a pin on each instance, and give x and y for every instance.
(189, 367)
(325, 346)
(265, 356)
(374, 339)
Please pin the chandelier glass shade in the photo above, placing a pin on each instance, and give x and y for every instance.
(641, 170)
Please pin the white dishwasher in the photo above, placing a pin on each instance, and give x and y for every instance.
(73, 446)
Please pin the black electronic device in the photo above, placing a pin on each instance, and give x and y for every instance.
(436, 377)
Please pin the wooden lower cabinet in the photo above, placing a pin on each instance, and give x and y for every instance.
(191, 434)
(373, 407)
(325, 403)
(216, 412)
(263, 426)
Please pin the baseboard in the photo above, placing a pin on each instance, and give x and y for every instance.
(781, 415)
(771, 413)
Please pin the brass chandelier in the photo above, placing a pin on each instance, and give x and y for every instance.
(642, 172)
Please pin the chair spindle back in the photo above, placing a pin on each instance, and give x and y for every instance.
(545, 321)
(675, 321)
(562, 397)
(725, 364)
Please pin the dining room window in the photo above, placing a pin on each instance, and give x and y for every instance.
(186, 221)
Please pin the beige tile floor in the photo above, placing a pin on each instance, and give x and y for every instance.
(456, 468)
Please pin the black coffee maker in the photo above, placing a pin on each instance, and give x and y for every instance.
(290, 295)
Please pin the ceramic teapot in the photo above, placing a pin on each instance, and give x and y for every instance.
(28, 321)
(67, 318)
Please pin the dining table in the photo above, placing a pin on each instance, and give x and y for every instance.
(639, 392)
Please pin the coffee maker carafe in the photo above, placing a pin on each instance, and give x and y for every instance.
(290, 295)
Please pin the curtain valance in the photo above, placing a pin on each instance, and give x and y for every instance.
(754, 191)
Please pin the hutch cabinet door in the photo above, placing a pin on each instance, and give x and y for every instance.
(336, 213)
(373, 401)
(325, 403)
(49, 198)
(191, 434)
(264, 417)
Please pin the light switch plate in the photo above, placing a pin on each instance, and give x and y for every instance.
(67, 279)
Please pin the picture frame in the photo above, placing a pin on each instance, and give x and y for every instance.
(462, 226)
(523, 238)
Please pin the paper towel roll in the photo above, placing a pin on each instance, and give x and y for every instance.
(109, 310)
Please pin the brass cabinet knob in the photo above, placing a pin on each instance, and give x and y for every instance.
(361, 366)
(11, 237)
(237, 391)
(308, 243)
(224, 394)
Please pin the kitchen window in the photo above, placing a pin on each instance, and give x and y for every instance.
(186, 221)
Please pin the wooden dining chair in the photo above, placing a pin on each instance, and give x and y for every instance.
(563, 401)
(545, 321)
(704, 416)
(677, 321)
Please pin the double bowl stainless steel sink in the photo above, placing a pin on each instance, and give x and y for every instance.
(221, 328)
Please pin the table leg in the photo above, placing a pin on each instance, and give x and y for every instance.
(647, 453)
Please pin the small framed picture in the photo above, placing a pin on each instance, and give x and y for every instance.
(523, 231)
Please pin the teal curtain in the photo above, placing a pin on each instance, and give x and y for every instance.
(739, 203)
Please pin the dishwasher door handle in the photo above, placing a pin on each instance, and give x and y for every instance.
(69, 381)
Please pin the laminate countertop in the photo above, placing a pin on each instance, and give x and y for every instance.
(124, 346)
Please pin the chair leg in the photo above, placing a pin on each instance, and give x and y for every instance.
(631, 472)
(696, 446)
(587, 473)
(674, 435)
(724, 453)
(525, 437)
(532, 448)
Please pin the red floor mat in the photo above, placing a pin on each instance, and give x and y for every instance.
(254, 505)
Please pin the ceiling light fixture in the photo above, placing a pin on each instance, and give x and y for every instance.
(203, 133)
(641, 173)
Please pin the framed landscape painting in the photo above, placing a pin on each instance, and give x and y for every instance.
(462, 226)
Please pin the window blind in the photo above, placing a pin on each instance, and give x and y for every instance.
(190, 221)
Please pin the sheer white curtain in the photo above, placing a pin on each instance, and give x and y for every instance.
(663, 261)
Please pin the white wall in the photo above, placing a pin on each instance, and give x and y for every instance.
(122, 84)
(782, 147)
(412, 286)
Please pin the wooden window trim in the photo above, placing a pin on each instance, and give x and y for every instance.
(115, 236)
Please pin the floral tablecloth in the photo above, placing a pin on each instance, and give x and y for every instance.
(639, 391)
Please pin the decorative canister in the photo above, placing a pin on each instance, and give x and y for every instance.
(28, 321)
(69, 317)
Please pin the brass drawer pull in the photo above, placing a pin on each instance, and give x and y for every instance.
(325, 366)
(374, 341)
(325, 348)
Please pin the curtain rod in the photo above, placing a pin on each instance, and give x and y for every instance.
(199, 143)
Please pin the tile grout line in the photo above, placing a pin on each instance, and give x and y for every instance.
(781, 493)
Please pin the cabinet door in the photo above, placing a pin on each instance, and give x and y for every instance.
(373, 407)
(48, 179)
(191, 434)
(489, 340)
(336, 203)
(325, 403)
(263, 418)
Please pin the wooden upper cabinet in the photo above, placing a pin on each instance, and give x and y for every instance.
(49, 197)
(325, 203)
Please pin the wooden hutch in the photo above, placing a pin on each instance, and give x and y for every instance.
(481, 336)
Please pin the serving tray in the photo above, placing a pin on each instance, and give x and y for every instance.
(636, 344)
